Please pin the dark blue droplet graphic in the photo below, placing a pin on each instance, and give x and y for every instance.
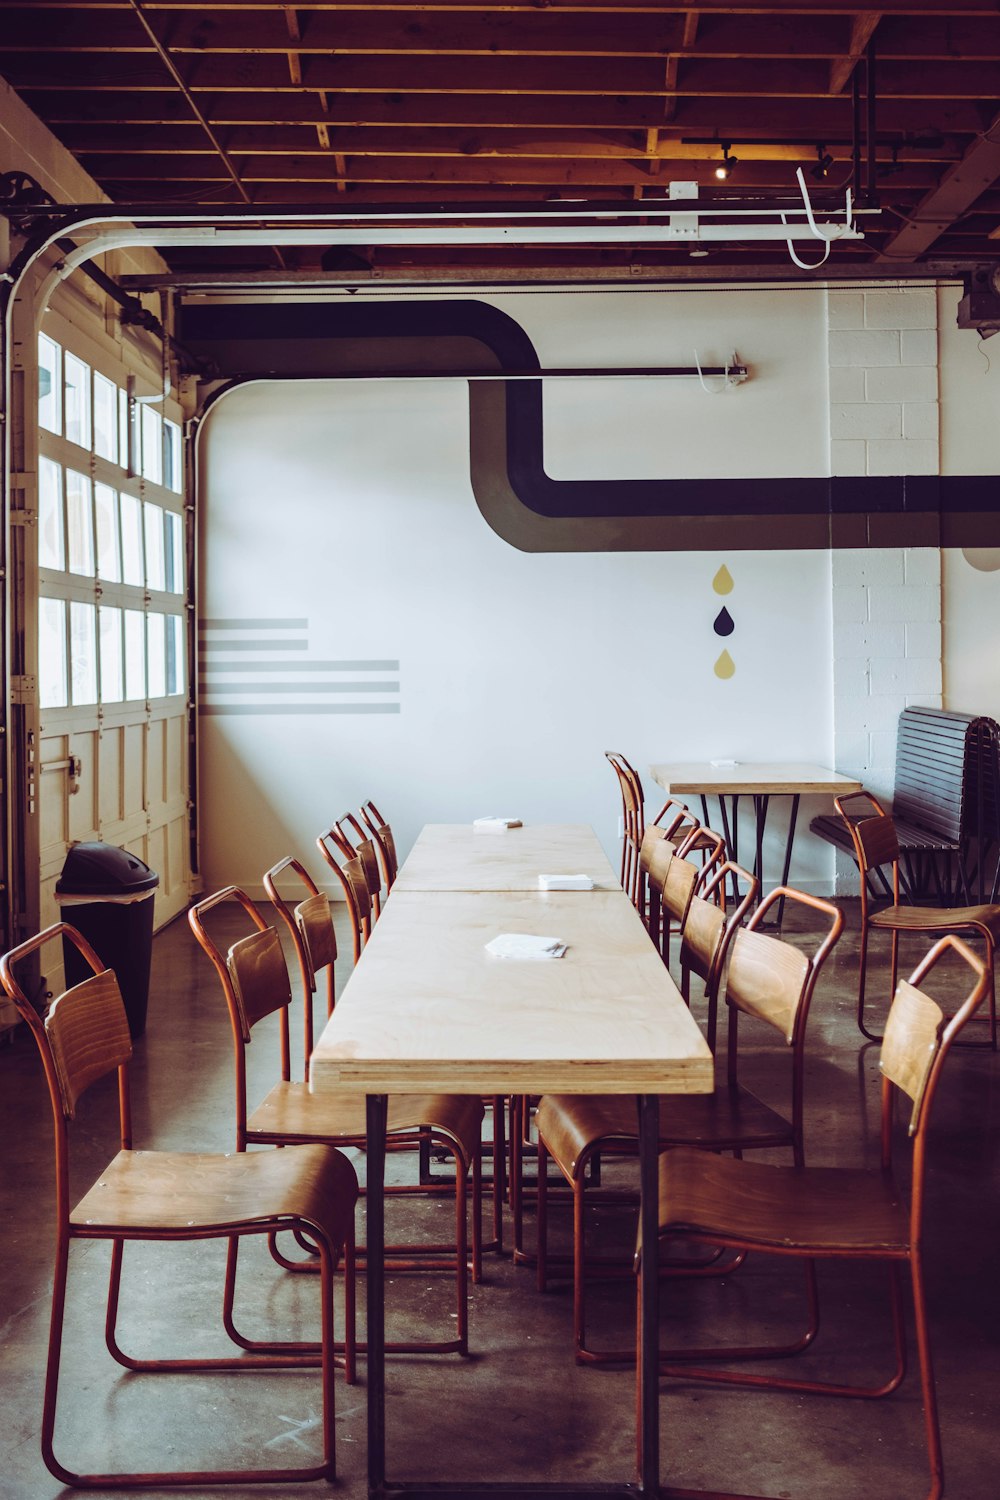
(723, 622)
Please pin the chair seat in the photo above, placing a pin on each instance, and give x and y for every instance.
(149, 1192)
(291, 1112)
(572, 1125)
(830, 1210)
(938, 918)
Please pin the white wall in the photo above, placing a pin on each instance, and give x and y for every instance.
(352, 506)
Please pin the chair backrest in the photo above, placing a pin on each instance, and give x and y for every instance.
(873, 834)
(81, 1038)
(384, 842)
(310, 926)
(916, 1042)
(709, 929)
(772, 980)
(354, 883)
(354, 843)
(255, 983)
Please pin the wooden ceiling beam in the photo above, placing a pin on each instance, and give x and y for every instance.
(399, 32)
(946, 9)
(953, 196)
(766, 79)
(801, 120)
(863, 28)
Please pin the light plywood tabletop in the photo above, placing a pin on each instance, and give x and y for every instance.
(429, 1010)
(767, 778)
(452, 857)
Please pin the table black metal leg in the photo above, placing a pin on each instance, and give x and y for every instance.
(793, 815)
(760, 806)
(649, 1312)
(377, 1110)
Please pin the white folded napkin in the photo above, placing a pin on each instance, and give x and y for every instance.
(565, 883)
(721, 763)
(494, 825)
(525, 945)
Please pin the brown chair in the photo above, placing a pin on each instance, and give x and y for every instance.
(354, 843)
(384, 843)
(172, 1195)
(353, 882)
(841, 1213)
(254, 978)
(768, 980)
(873, 834)
(668, 878)
(634, 823)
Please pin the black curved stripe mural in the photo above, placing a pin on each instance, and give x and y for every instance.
(536, 513)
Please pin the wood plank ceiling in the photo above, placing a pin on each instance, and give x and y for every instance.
(524, 102)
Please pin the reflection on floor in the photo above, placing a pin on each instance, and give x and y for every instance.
(518, 1408)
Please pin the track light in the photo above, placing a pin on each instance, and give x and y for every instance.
(824, 161)
(725, 168)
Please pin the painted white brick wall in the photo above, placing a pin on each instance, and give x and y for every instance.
(886, 602)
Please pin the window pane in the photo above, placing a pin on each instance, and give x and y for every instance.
(52, 653)
(172, 475)
(155, 577)
(105, 417)
(152, 444)
(51, 536)
(123, 429)
(135, 654)
(157, 656)
(80, 523)
(175, 654)
(83, 651)
(77, 386)
(132, 568)
(175, 552)
(112, 678)
(49, 384)
(109, 559)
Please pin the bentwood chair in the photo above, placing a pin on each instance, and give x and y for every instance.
(172, 1195)
(835, 1213)
(384, 842)
(668, 879)
(876, 847)
(354, 843)
(634, 824)
(353, 881)
(768, 980)
(254, 979)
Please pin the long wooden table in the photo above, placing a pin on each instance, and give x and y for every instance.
(453, 857)
(428, 1009)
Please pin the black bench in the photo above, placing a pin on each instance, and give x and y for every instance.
(946, 806)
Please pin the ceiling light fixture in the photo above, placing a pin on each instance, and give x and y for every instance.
(824, 161)
(725, 168)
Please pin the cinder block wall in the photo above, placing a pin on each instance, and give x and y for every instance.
(886, 603)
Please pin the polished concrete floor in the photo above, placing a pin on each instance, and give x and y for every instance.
(517, 1408)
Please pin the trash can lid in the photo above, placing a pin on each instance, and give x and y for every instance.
(104, 870)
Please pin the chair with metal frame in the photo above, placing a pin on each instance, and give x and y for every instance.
(668, 879)
(768, 980)
(173, 1195)
(873, 834)
(384, 842)
(840, 1213)
(254, 978)
(635, 826)
(354, 843)
(353, 882)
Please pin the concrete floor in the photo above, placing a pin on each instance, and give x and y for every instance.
(518, 1408)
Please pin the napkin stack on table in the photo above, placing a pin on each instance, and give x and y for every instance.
(565, 883)
(494, 825)
(525, 945)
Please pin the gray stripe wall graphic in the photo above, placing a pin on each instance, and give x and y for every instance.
(262, 666)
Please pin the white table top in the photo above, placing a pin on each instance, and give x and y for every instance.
(768, 778)
(451, 857)
(428, 1010)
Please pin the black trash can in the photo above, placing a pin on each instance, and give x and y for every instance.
(106, 893)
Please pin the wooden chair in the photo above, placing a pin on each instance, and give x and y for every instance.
(254, 979)
(768, 980)
(354, 843)
(876, 846)
(838, 1213)
(353, 882)
(172, 1195)
(384, 842)
(668, 878)
(669, 819)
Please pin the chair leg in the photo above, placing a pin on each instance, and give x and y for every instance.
(309, 1356)
(542, 1218)
(499, 1112)
(931, 1423)
(863, 967)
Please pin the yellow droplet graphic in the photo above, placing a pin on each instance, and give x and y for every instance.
(722, 583)
(725, 666)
